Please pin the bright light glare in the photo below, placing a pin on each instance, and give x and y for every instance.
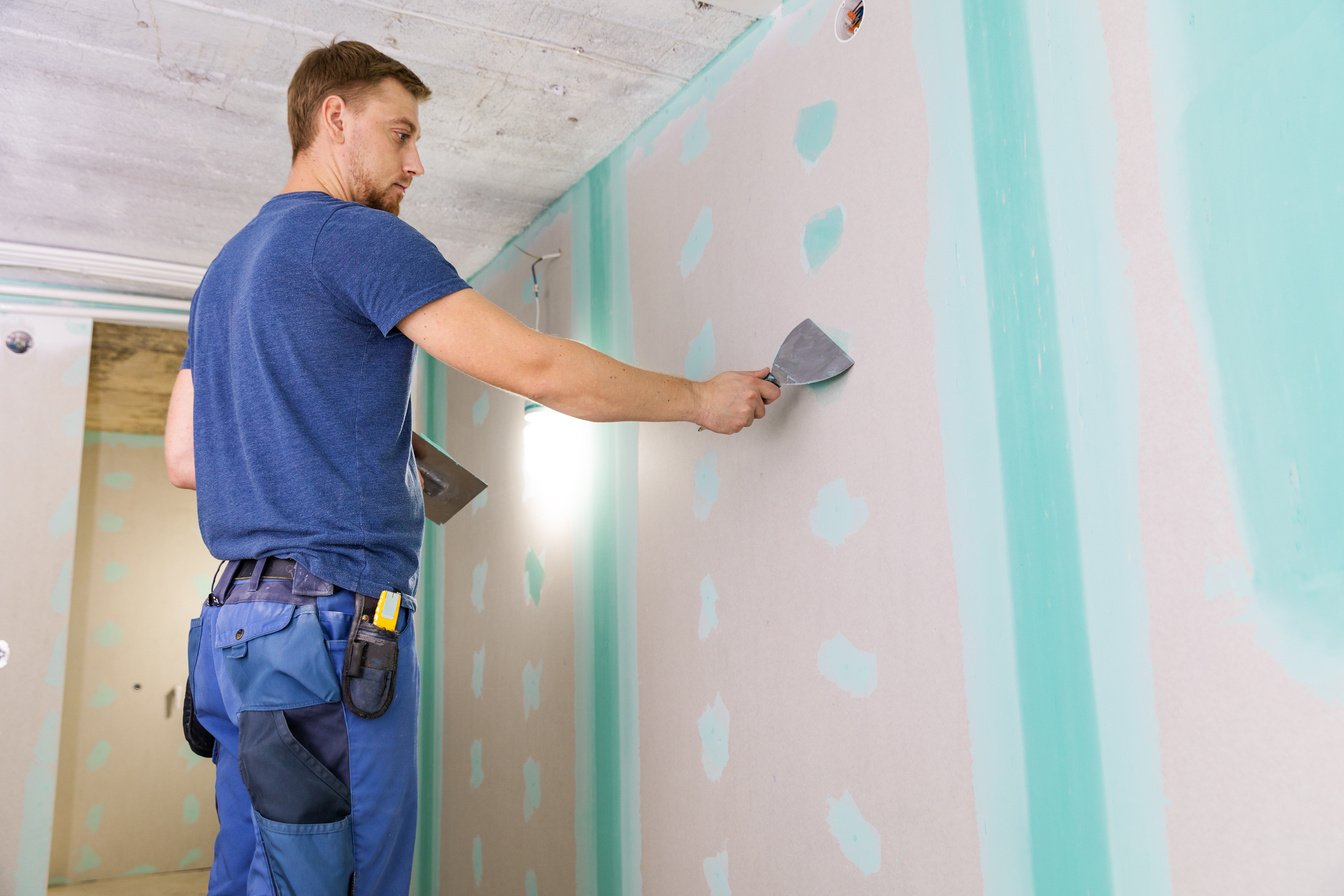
(557, 465)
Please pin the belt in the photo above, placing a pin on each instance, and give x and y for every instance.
(276, 568)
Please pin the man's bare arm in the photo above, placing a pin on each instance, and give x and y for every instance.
(467, 331)
(178, 443)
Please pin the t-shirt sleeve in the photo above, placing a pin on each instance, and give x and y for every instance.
(381, 266)
(191, 319)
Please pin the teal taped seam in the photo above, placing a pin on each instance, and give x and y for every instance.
(1066, 802)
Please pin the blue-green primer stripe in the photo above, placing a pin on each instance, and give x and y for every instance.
(429, 645)
(1067, 811)
(612, 546)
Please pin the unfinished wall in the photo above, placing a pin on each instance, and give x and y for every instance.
(1044, 596)
(140, 575)
(42, 392)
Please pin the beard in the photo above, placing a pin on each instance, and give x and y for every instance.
(367, 193)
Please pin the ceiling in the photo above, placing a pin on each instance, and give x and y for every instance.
(156, 128)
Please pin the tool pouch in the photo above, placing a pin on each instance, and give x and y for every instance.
(202, 742)
(369, 676)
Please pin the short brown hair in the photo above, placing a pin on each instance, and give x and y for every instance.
(347, 69)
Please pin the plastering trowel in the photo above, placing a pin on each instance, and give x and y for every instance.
(808, 356)
(448, 486)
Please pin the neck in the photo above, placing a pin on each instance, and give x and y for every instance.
(308, 174)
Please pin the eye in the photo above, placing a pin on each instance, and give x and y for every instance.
(402, 136)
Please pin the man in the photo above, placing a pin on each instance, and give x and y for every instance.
(291, 418)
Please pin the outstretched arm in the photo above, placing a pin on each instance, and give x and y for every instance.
(467, 331)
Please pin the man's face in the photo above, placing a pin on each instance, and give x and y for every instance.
(383, 158)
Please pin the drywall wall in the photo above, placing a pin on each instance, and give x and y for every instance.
(140, 575)
(1042, 596)
(41, 441)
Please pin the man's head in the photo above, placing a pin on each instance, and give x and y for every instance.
(358, 110)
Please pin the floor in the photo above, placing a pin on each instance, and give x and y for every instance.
(177, 883)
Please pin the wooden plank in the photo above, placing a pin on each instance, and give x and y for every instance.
(131, 375)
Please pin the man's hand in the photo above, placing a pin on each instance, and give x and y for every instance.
(732, 401)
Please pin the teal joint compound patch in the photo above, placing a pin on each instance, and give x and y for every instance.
(192, 856)
(477, 766)
(531, 688)
(103, 697)
(142, 869)
(114, 571)
(189, 757)
(62, 522)
(93, 819)
(694, 247)
(88, 859)
(56, 662)
(695, 139)
(60, 592)
(714, 739)
(72, 423)
(816, 127)
(821, 237)
(108, 635)
(859, 840)
(119, 481)
(533, 576)
(200, 583)
(531, 787)
(530, 883)
(716, 875)
(709, 616)
(110, 522)
(39, 800)
(98, 756)
(76, 372)
(481, 409)
(477, 860)
(478, 502)
(1250, 134)
(846, 666)
(837, 515)
(478, 584)
(478, 672)
(700, 356)
(706, 485)
(191, 809)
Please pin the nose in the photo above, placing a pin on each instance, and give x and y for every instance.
(414, 166)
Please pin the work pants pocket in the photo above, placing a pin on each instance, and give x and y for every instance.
(201, 741)
(274, 656)
(302, 805)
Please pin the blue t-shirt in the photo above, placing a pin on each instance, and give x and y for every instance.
(302, 416)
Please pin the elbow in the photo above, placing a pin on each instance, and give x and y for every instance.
(181, 470)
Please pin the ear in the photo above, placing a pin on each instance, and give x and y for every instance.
(333, 120)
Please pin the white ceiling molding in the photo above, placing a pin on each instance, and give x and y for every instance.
(123, 268)
(163, 319)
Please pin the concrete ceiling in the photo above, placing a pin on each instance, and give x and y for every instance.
(156, 128)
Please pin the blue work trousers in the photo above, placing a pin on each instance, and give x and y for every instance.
(313, 800)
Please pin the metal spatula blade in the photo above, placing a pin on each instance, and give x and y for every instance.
(808, 356)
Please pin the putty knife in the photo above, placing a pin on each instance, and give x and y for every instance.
(808, 356)
(448, 486)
